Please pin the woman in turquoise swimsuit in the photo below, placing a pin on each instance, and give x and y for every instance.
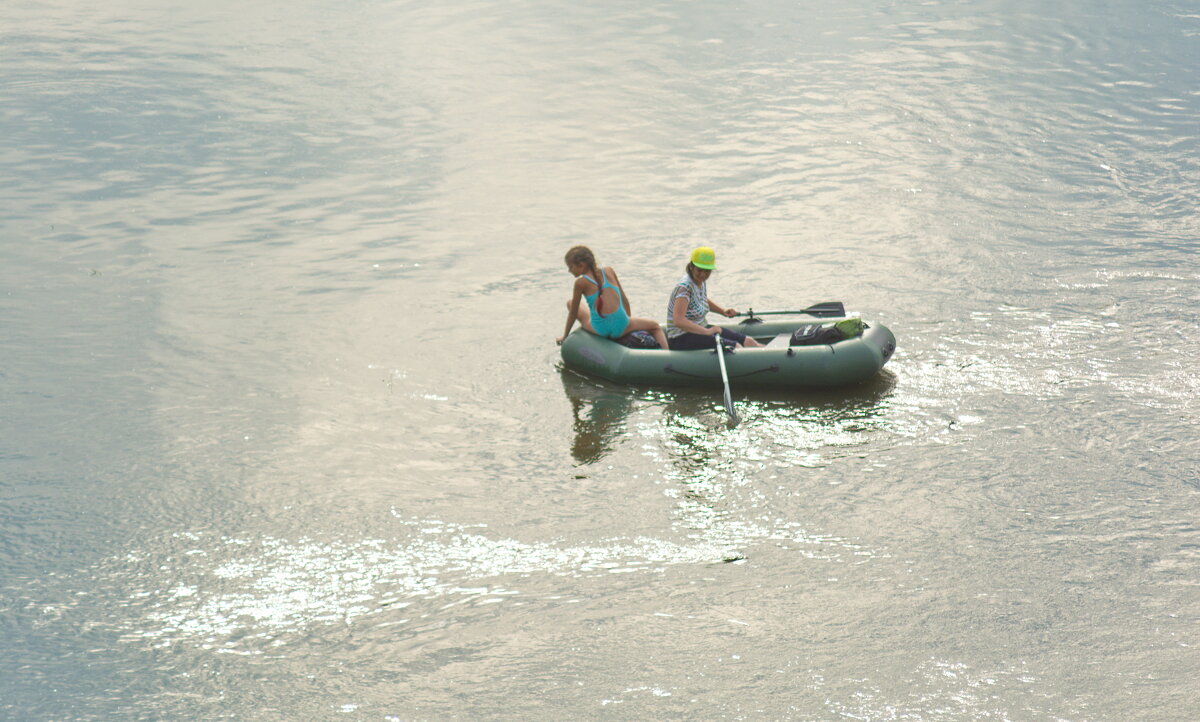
(606, 300)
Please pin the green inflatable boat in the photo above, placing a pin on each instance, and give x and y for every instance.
(779, 364)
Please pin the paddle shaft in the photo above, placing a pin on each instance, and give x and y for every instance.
(725, 379)
(776, 313)
(828, 309)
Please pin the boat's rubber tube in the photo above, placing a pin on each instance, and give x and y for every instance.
(846, 362)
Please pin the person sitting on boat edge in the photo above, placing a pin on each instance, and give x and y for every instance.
(605, 298)
(687, 329)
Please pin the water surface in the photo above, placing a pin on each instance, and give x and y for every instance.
(285, 433)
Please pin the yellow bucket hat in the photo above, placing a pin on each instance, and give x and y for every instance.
(704, 257)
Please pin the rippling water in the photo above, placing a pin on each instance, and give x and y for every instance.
(285, 435)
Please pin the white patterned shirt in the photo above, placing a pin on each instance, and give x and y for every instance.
(697, 308)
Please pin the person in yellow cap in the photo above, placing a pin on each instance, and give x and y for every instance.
(688, 307)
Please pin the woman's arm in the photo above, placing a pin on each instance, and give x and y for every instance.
(624, 296)
(712, 306)
(680, 319)
(573, 308)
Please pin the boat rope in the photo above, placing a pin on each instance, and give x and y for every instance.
(672, 370)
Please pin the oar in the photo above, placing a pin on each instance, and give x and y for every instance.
(826, 309)
(725, 378)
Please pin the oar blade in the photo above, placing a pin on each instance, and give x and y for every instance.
(826, 309)
(729, 409)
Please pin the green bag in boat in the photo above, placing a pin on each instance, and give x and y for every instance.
(815, 333)
(850, 327)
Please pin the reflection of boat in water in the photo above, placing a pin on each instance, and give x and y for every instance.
(776, 366)
(867, 399)
(786, 428)
(601, 411)
(599, 416)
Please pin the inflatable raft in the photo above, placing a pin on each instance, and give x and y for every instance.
(777, 365)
